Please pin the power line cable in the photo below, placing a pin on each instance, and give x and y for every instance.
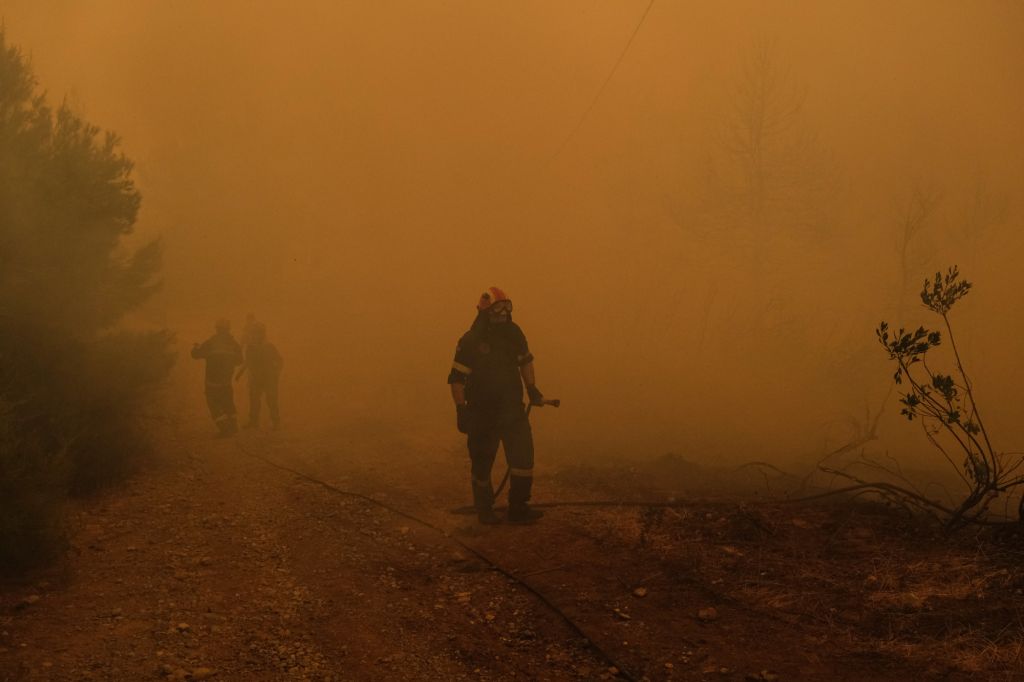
(597, 96)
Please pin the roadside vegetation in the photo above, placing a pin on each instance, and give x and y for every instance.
(73, 379)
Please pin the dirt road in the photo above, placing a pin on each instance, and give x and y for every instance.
(215, 563)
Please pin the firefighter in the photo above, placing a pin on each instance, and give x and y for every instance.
(492, 364)
(248, 331)
(222, 354)
(264, 362)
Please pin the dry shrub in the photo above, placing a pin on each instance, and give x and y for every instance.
(32, 495)
(118, 382)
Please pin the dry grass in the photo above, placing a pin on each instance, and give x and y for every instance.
(858, 573)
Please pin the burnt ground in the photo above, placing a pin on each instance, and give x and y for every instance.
(213, 564)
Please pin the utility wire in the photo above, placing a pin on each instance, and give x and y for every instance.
(593, 102)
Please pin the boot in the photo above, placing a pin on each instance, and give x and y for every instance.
(483, 501)
(519, 492)
(523, 513)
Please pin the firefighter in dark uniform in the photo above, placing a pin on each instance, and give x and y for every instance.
(222, 354)
(264, 362)
(492, 364)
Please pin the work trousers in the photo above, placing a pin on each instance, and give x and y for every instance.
(221, 401)
(513, 432)
(257, 391)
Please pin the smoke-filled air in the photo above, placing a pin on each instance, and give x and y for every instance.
(426, 340)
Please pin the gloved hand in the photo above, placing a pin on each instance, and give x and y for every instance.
(463, 418)
(536, 397)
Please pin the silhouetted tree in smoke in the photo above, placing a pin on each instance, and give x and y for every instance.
(71, 384)
(768, 193)
(914, 216)
(769, 171)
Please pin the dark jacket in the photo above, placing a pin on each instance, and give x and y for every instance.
(487, 361)
(222, 354)
(263, 362)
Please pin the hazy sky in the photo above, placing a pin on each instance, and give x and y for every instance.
(357, 172)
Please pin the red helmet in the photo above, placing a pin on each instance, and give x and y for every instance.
(490, 297)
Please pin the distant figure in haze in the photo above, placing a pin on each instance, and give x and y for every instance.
(264, 363)
(248, 334)
(222, 354)
(248, 329)
(492, 363)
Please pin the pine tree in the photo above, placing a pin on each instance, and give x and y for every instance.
(72, 384)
